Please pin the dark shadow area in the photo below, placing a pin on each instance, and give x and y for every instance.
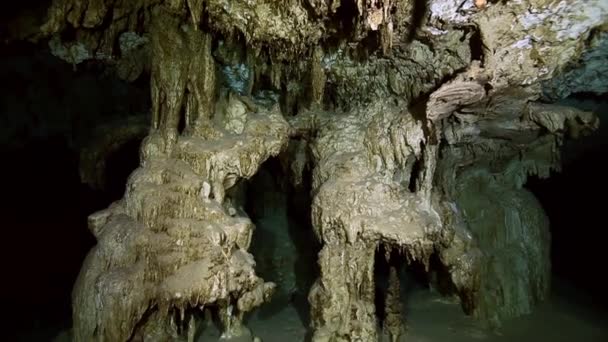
(574, 201)
(46, 236)
(119, 166)
(344, 22)
(46, 233)
(476, 45)
(283, 243)
(22, 20)
(47, 114)
(381, 272)
(43, 96)
(415, 176)
(418, 15)
(308, 247)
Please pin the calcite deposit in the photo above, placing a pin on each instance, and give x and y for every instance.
(420, 120)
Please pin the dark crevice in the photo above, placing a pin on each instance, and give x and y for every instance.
(415, 175)
(68, 34)
(418, 15)
(381, 271)
(344, 21)
(476, 45)
(139, 326)
(440, 278)
(589, 96)
(119, 166)
(182, 124)
(369, 45)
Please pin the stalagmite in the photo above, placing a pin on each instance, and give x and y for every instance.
(191, 328)
(394, 323)
(386, 37)
(276, 74)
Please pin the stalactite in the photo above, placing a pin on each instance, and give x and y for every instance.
(191, 328)
(169, 76)
(348, 283)
(318, 78)
(276, 74)
(202, 81)
(431, 153)
(190, 112)
(251, 56)
(196, 12)
(386, 37)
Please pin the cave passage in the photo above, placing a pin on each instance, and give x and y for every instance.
(574, 201)
(283, 243)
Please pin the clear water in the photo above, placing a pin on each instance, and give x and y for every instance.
(567, 316)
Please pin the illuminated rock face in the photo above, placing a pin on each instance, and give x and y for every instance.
(420, 122)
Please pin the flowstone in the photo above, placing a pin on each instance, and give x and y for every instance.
(173, 244)
(489, 234)
(364, 165)
(170, 245)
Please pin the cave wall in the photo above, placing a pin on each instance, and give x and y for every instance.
(48, 99)
(512, 230)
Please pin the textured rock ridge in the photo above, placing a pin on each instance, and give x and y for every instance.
(174, 243)
(364, 166)
(171, 244)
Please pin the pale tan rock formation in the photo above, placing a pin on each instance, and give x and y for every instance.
(173, 244)
(364, 165)
(170, 244)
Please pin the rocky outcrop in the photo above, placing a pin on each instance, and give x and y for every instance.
(170, 245)
(362, 180)
(174, 242)
(489, 233)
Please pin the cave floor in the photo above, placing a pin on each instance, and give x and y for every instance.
(566, 316)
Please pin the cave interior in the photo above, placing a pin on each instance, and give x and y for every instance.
(309, 170)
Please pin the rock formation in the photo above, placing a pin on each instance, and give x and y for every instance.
(394, 324)
(420, 119)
